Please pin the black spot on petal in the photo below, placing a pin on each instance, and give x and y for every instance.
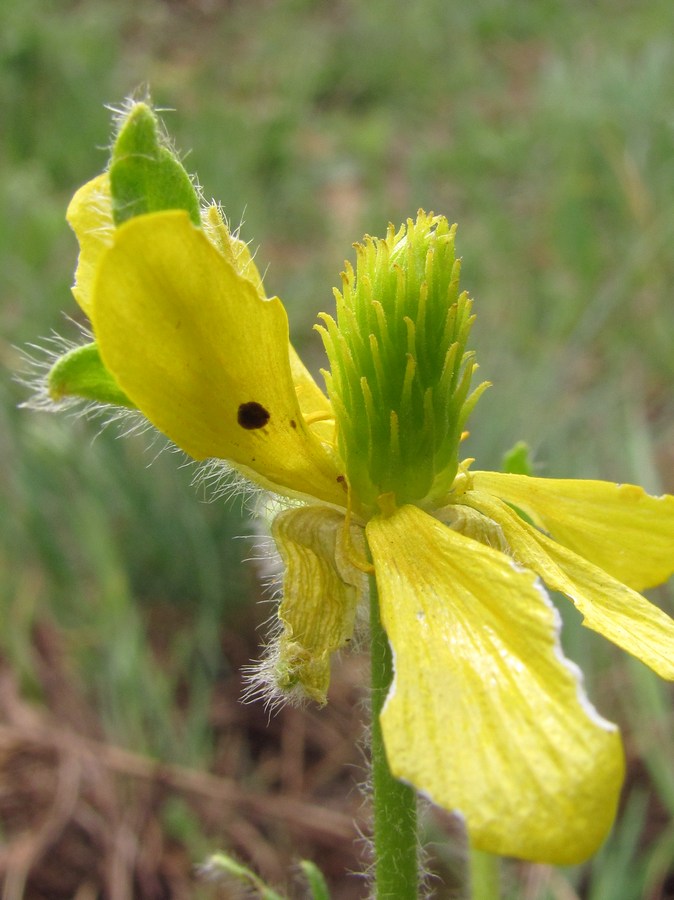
(252, 415)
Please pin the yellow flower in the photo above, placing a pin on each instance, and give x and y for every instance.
(485, 716)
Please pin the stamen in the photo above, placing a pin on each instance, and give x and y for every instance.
(411, 336)
(395, 434)
(408, 382)
(318, 416)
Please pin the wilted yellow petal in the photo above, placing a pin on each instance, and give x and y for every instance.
(198, 351)
(90, 216)
(609, 607)
(485, 715)
(321, 588)
(619, 527)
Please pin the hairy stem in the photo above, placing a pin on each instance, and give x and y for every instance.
(395, 803)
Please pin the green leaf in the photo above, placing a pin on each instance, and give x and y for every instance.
(315, 880)
(81, 373)
(145, 173)
(226, 864)
(517, 461)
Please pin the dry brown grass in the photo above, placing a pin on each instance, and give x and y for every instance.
(83, 818)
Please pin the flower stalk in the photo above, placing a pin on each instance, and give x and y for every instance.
(394, 803)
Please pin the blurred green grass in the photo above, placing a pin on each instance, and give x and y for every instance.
(546, 130)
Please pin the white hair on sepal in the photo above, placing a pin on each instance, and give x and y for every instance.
(260, 677)
(263, 677)
(267, 506)
(260, 682)
(120, 115)
(37, 360)
(222, 481)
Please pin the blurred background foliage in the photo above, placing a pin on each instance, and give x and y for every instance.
(545, 129)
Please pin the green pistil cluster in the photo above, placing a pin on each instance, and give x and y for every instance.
(400, 373)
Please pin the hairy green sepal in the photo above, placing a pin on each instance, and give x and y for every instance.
(145, 173)
(400, 372)
(81, 373)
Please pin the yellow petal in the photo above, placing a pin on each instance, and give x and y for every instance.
(235, 251)
(609, 607)
(321, 589)
(89, 214)
(198, 351)
(485, 715)
(314, 404)
(619, 527)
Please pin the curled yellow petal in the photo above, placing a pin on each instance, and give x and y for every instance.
(485, 715)
(89, 214)
(204, 357)
(619, 527)
(321, 589)
(236, 252)
(609, 607)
